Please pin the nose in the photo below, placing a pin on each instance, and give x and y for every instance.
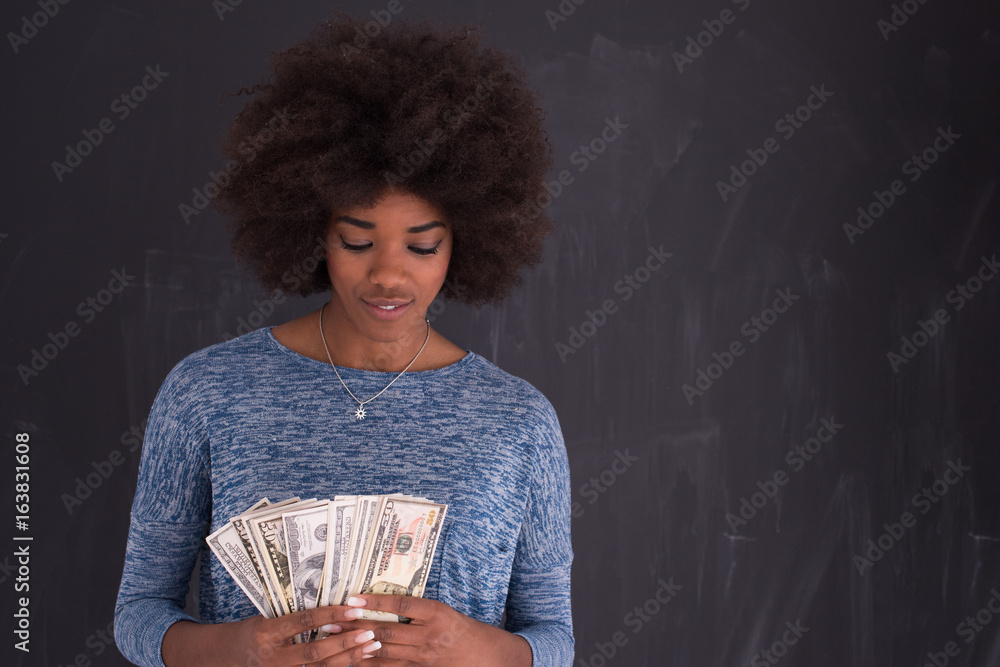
(387, 270)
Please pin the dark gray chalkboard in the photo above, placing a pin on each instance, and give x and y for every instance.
(714, 320)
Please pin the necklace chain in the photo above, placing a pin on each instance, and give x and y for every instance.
(360, 412)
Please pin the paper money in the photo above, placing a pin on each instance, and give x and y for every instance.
(366, 511)
(267, 536)
(227, 546)
(400, 551)
(238, 523)
(341, 530)
(299, 554)
(305, 542)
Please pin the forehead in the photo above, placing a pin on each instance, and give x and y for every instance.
(392, 209)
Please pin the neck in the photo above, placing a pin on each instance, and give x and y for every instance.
(347, 346)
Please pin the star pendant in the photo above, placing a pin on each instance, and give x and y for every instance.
(360, 412)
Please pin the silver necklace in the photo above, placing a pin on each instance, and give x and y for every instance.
(360, 412)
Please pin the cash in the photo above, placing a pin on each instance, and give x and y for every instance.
(300, 554)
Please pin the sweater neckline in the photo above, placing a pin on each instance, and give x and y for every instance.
(360, 372)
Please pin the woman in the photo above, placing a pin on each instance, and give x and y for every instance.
(414, 162)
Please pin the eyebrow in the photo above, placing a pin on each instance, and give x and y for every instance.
(364, 224)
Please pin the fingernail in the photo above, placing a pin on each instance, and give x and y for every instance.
(371, 648)
(353, 614)
(365, 636)
(331, 628)
(356, 602)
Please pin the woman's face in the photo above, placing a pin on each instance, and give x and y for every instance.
(387, 263)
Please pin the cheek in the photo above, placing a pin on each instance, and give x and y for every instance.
(442, 270)
(342, 274)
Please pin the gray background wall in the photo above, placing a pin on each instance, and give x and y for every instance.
(693, 458)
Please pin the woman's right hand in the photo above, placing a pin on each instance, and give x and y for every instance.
(267, 642)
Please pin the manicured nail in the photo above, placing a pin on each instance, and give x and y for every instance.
(371, 648)
(365, 636)
(356, 602)
(353, 614)
(331, 628)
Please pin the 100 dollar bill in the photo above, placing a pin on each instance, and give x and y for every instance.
(401, 550)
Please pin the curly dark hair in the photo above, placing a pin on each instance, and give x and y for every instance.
(358, 108)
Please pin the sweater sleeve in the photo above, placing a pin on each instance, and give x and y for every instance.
(170, 517)
(538, 600)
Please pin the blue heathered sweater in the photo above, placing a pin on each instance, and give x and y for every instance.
(249, 418)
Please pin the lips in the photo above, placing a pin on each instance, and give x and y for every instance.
(386, 302)
(386, 309)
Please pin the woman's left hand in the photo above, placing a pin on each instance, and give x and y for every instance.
(436, 636)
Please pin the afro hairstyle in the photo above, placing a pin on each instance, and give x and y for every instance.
(351, 112)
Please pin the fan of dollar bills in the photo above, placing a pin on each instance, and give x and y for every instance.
(299, 554)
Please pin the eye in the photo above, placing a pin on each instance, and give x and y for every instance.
(426, 251)
(353, 248)
(414, 249)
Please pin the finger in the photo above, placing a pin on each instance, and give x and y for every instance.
(280, 630)
(395, 654)
(388, 632)
(335, 651)
(401, 605)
